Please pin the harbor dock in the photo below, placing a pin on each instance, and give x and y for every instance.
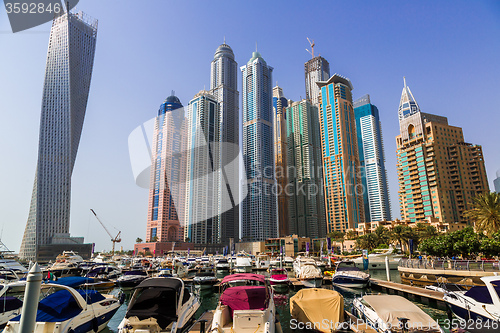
(203, 324)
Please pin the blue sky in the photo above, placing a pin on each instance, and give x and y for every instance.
(448, 51)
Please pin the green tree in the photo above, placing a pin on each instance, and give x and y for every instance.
(351, 234)
(398, 235)
(383, 235)
(138, 240)
(337, 236)
(154, 239)
(368, 241)
(485, 213)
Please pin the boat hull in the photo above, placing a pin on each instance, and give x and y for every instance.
(312, 283)
(349, 282)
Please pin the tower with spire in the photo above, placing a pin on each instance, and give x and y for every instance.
(439, 173)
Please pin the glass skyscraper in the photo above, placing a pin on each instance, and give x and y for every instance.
(68, 73)
(496, 182)
(280, 148)
(341, 171)
(317, 69)
(306, 201)
(167, 179)
(203, 170)
(259, 206)
(372, 161)
(224, 87)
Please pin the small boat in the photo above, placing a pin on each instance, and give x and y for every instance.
(11, 264)
(131, 279)
(70, 310)
(262, 261)
(348, 275)
(85, 283)
(245, 308)
(317, 309)
(479, 303)
(376, 261)
(104, 273)
(243, 265)
(164, 272)
(390, 313)
(8, 276)
(307, 272)
(159, 305)
(204, 280)
(10, 306)
(279, 279)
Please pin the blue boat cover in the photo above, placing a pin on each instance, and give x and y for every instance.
(8, 303)
(61, 305)
(73, 281)
(481, 294)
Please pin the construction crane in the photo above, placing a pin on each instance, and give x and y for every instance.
(116, 239)
(312, 47)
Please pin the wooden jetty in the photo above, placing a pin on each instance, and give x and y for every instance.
(205, 321)
(357, 325)
(423, 295)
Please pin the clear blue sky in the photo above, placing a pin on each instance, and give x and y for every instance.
(449, 52)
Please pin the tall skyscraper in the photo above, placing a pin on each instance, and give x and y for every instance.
(305, 192)
(372, 161)
(496, 182)
(166, 189)
(203, 170)
(68, 72)
(317, 69)
(341, 171)
(280, 149)
(224, 87)
(259, 206)
(439, 174)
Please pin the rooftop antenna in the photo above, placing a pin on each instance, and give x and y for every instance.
(224, 39)
(312, 47)
(404, 80)
(173, 93)
(256, 47)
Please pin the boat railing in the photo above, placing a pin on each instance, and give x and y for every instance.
(450, 264)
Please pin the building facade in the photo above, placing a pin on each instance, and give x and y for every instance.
(341, 170)
(317, 69)
(280, 158)
(438, 173)
(167, 179)
(496, 182)
(203, 170)
(259, 206)
(372, 161)
(224, 87)
(305, 193)
(68, 73)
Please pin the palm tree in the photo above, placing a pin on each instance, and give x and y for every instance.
(398, 235)
(485, 213)
(138, 240)
(351, 234)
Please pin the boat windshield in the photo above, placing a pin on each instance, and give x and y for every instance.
(481, 293)
(156, 302)
(136, 272)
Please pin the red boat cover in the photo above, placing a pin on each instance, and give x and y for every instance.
(244, 276)
(279, 277)
(245, 298)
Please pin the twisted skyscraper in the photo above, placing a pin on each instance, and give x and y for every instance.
(68, 72)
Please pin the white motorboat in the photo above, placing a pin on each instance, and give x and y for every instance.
(478, 304)
(243, 265)
(376, 261)
(67, 264)
(307, 272)
(348, 275)
(390, 313)
(70, 310)
(159, 305)
(278, 278)
(13, 265)
(204, 280)
(245, 308)
(262, 261)
(104, 272)
(10, 306)
(288, 261)
(131, 279)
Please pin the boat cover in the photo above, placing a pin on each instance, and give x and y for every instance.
(280, 277)
(8, 303)
(245, 298)
(314, 305)
(72, 281)
(309, 272)
(391, 307)
(136, 272)
(244, 276)
(172, 283)
(155, 302)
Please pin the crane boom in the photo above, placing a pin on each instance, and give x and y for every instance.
(116, 239)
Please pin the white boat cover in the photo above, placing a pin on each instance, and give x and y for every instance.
(314, 305)
(391, 307)
(309, 272)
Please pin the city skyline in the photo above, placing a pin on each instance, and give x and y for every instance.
(115, 109)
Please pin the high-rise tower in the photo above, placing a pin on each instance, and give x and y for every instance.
(341, 171)
(68, 72)
(280, 149)
(372, 161)
(305, 192)
(203, 170)
(224, 87)
(438, 173)
(167, 180)
(496, 182)
(259, 206)
(317, 69)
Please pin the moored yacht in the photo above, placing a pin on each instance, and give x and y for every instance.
(307, 272)
(243, 265)
(159, 305)
(348, 275)
(278, 278)
(245, 308)
(131, 279)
